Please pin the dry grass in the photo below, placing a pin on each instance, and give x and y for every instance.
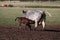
(18, 3)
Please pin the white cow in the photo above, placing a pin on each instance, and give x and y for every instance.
(36, 15)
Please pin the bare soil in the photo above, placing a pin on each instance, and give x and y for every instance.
(13, 33)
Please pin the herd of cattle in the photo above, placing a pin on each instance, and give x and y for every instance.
(36, 17)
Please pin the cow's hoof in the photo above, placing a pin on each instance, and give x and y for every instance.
(34, 29)
(42, 30)
(31, 29)
(19, 27)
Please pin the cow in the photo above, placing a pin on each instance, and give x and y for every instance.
(37, 16)
(24, 20)
(33, 16)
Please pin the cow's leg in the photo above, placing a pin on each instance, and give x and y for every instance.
(39, 23)
(19, 23)
(43, 24)
(36, 23)
(28, 24)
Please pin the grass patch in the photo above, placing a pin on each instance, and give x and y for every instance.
(8, 15)
(42, 6)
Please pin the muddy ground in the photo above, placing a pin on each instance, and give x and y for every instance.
(13, 33)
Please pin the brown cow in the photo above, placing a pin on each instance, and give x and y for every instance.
(24, 20)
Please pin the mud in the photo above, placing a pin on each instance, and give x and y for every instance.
(13, 33)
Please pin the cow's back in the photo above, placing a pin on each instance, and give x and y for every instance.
(33, 14)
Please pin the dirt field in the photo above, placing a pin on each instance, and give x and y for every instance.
(13, 33)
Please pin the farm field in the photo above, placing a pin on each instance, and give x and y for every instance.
(40, 3)
(9, 27)
(8, 15)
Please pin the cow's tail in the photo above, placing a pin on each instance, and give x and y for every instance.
(16, 18)
(48, 13)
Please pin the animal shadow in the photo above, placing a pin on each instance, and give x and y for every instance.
(49, 30)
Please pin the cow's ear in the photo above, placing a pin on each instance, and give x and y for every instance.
(24, 11)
